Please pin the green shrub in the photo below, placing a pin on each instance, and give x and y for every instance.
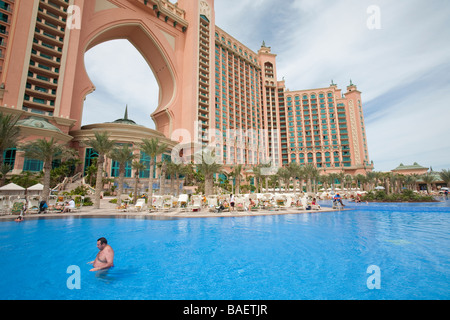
(405, 196)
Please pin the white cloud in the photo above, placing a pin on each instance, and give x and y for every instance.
(416, 130)
(122, 77)
(405, 124)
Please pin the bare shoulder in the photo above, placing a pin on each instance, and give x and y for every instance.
(109, 249)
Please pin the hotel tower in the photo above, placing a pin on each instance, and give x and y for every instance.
(214, 91)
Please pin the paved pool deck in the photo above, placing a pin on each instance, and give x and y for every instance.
(109, 210)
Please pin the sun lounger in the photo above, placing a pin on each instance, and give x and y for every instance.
(212, 204)
(304, 202)
(183, 200)
(4, 207)
(239, 204)
(197, 203)
(140, 204)
(158, 203)
(33, 205)
(123, 205)
(167, 203)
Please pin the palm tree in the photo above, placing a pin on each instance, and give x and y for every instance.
(360, 181)
(314, 178)
(341, 177)
(153, 149)
(310, 174)
(170, 170)
(138, 167)
(209, 168)
(285, 175)
(189, 174)
(265, 173)
(256, 172)
(47, 152)
(103, 146)
(122, 155)
(295, 172)
(332, 177)
(428, 178)
(236, 173)
(323, 179)
(410, 182)
(91, 172)
(388, 177)
(348, 181)
(9, 133)
(273, 179)
(379, 177)
(4, 169)
(371, 179)
(415, 179)
(401, 178)
(163, 167)
(176, 170)
(445, 176)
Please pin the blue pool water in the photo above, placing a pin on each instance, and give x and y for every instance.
(306, 256)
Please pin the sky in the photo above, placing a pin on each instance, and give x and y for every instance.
(397, 52)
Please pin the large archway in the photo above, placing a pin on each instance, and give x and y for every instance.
(161, 40)
(122, 78)
(136, 34)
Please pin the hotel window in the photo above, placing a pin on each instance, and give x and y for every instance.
(115, 169)
(33, 165)
(91, 154)
(145, 160)
(9, 157)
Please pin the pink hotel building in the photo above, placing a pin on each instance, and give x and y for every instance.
(214, 91)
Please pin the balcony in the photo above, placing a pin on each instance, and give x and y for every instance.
(49, 28)
(41, 93)
(39, 104)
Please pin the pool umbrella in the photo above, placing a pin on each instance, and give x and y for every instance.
(379, 188)
(36, 189)
(12, 189)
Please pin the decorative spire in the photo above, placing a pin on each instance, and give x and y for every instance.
(351, 83)
(263, 44)
(125, 117)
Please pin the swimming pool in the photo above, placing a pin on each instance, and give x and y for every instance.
(305, 256)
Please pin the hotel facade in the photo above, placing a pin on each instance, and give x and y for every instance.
(214, 91)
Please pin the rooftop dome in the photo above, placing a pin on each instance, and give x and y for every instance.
(125, 119)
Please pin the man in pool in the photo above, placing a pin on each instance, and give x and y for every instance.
(105, 258)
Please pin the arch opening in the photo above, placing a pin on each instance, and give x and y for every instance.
(122, 77)
(154, 49)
